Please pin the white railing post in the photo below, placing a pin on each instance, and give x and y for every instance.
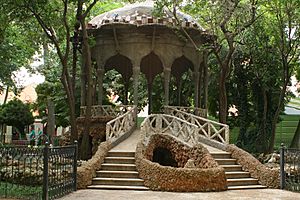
(227, 134)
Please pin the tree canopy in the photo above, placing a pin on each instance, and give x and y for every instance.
(16, 113)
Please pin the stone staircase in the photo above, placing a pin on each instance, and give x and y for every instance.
(236, 177)
(118, 172)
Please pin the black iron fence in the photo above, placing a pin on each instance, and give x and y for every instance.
(290, 169)
(37, 173)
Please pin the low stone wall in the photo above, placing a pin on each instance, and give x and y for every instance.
(265, 175)
(87, 170)
(97, 129)
(196, 171)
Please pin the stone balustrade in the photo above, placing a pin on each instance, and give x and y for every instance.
(208, 128)
(105, 110)
(167, 124)
(122, 124)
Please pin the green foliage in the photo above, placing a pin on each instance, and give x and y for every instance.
(104, 6)
(187, 90)
(17, 191)
(18, 44)
(16, 113)
(158, 94)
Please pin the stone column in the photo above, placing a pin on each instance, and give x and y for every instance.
(196, 81)
(167, 74)
(100, 75)
(205, 80)
(8, 135)
(200, 83)
(136, 73)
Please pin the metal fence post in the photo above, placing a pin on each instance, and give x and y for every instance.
(45, 172)
(75, 165)
(282, 173)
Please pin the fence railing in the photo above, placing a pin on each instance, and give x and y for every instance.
(37, 173)
(162, 123)
(208, 128)
(122, 124)
(192, 110)
(290, 169)
(106, 110)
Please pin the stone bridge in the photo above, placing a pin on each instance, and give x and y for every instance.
(178, 150)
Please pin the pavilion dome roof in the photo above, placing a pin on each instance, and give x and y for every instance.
(140, 14)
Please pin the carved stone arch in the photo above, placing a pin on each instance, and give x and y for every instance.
(123, 65)
(120, 63)
(180, 66)
(151, 65)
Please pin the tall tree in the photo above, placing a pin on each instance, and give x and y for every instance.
(58, 19)
(286, 31)
(225, 19)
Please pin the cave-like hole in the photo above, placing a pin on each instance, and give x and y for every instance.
(164, 157)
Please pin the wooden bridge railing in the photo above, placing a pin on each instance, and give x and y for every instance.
(162, 123)
(208, 128)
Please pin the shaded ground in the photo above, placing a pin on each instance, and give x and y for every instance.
(262, 194)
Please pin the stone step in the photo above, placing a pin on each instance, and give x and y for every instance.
(118, 167)
(220, 155)
(237, 174)
(226, 161)
(117, 174)
(118, 181)
(120, 154)
(231, 168)
(120, 160)
(242, 181)
(117, 187)
(244, 187)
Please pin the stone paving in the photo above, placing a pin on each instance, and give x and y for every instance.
(262, 194)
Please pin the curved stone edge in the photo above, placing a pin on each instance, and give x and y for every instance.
(265, 175)
(87, 171)
(166, 178)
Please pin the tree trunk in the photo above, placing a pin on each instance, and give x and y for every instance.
(126, 85)
(83, 84)
(71, 102)
(6, 95)
(85, 144)
(242, 98)
(276, 115)
(50, 120)
(222, 98)
(296, 139)
(263, 138)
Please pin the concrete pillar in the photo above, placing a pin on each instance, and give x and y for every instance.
(167, 74)
(100, 76)
(196, 81)
(205, 80)
(136, 73)
(8, 135)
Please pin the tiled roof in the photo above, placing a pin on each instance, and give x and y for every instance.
(141, 14)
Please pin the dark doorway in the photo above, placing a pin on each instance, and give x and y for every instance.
(164, 157)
